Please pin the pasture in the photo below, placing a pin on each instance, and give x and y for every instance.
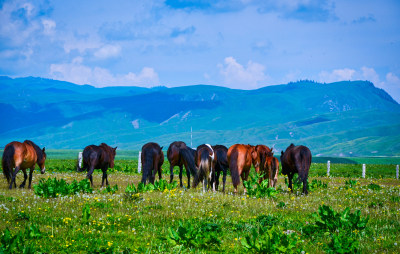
(181, 220)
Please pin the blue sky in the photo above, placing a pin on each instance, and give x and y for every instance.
(238, 44)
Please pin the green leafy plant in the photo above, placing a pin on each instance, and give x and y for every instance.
(111, 190)
(374, 186)
(272, 240)
(86, 214)
(160, 185)
(316, 184)
(259, 190)
(52, 187)
(351, 183)
(342, 243)
(18, 243)
(195, 234)
(329, 220)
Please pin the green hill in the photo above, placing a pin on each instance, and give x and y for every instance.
(337, 119)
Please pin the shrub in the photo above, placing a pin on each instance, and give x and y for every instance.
(259, 190)
(54, 187)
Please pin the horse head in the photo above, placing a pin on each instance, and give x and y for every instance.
(42, 161)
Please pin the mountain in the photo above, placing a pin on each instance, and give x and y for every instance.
(337, 119)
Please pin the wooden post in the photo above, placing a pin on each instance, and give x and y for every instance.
(363, 170)
(139, 166)
(80, 159)
(397, 171)
(328, 165)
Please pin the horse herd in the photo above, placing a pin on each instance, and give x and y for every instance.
(204, 164)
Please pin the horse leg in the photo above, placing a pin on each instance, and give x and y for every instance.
(205, 184)
(13, 177)
(89, 175)
(188, 176)
(217, 179)
(159, 173)
(290, 176)
(225, 173)
(180, 174)
(171, 169)
(104, 177)
(30, 176)
(25, 177)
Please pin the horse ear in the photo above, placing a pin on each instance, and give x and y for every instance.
(161, 148)
(115, 148)
(281, 152)
(43, 149)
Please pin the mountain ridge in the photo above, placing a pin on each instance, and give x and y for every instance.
(60, 114)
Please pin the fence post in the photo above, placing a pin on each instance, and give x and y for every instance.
(363, 170)
(80, 159)
(328, 165)
(397, 171)
(139, 166)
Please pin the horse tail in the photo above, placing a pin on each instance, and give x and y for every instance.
(233, 166)
(148, 163)
(188, 157)
(8, 157)
(204, 167)
(305, 157)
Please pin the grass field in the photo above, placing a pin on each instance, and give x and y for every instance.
(182, 220)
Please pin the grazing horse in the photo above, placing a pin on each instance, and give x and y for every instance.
(152, 160)
(221, 164)
(97, 157)
(175, 158)
(188, 158)
(239, 160)
(22, 156)
(204, 159)
(296, 159)
(259, 158)
(272, 167)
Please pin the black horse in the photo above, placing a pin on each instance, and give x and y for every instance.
(152, 160)
(296, 159)
(221, 164)
(97, 157)
(179, 154)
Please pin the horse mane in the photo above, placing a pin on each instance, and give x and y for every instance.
(39, 152)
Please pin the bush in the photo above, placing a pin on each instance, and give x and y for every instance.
(54, 187)
(259, 190)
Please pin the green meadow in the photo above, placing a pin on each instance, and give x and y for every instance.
(343, 213)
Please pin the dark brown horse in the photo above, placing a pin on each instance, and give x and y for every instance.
(259, 158)
(221, 164)
(177, 156)
(239, 160)
(205, 160)
(98, 157)
(272, 169)
(152, 160)
(296, 159)
(22, 156)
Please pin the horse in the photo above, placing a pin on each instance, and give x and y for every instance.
(272, 167)
(205, 159)
(97, 157)
(240, 158)
(259, 158)
(22, 156)
(152, 160)
(176, 158)
(188, 158)
(221, 164)
(296, 159)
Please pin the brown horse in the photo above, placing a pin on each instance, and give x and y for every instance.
(177, 157)
(205, 161)
(98, 157)
(22, 156)
(240, 159)
(259, 158)
(221, 164)
(152, 160)
(272, 169)
(296, 159)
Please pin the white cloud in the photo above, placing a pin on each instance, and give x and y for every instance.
(49, 26)
(108, 51)
(78, 73)
(390, 83)
(237, 76)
